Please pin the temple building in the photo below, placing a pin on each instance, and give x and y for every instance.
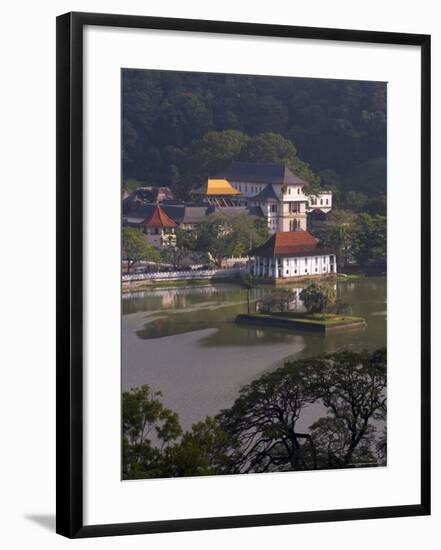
(268, 192)
(159, 228)
(277, 191)
(320, 203)
(217, 192)
(291, 255)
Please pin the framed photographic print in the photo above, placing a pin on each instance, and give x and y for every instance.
(243, 291)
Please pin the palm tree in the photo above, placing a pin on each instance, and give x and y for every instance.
(249, 282)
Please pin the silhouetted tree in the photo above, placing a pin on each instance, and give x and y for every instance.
(249, 282)
(263, 421)
(261, 431)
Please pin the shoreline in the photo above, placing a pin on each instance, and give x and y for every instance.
(302, 322)
(134, 286)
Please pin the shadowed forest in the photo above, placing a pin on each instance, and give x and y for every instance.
(179, 128)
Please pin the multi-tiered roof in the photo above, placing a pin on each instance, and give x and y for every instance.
(216, 188)
(160, 219)
(260, 172)
(290, 244)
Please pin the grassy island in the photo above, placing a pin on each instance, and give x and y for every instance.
(318, 322)
(324, 313)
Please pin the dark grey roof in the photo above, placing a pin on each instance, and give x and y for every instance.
(267, 193)
(144, 212)
(175, 212)
(187, 212)
(194, 214)
(130, 200)
(255, 172)
(255, 211)
(231, 211)
(140, 213)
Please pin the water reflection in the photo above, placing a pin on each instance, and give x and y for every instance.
(185, 343)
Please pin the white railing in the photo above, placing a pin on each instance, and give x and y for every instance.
(184, 275)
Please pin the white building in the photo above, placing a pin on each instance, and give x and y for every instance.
(321, 202)
(276, 190)
(159, 229)
(292, 255)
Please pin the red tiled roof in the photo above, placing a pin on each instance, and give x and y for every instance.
(290, 244)
(160, 219)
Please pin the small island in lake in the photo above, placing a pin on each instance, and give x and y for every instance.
(324, 312)
(320, 323)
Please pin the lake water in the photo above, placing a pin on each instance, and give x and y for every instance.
(184, 342)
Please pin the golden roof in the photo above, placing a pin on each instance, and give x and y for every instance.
(218, 187)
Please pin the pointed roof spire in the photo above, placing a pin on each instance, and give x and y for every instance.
(159, 218)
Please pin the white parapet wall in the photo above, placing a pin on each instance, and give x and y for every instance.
(185, 275)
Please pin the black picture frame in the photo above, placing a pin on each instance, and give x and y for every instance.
(69, 332)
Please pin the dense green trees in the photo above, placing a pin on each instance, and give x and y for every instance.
(318, 297)
(203, 157)
(260, 432)
(279, 300)
(359, 238)
(183, 253)
(218, 237)
(204, 450)
(153, 444)
(179, 127)
(263, 422)
(225, 237)
(274, 148)
(215, 150)
(135, 248)
(370, 240)
(149, 429)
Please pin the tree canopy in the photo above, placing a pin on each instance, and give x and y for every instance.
(263, 422)
(318, 297)
(261, 432)
(148, 429)
(359, 238)
(278, 300)
(135, 248)
(215, 150)
(225, 237)
(180, 127)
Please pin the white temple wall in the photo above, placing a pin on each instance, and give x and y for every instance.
(293, 267)
(310, 265)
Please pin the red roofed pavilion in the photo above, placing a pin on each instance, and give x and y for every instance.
(160, 228)
(292, 254)
(159, 218)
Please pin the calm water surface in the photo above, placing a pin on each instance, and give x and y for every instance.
(185, 343)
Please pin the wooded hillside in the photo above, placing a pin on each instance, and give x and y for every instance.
(179, 128)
